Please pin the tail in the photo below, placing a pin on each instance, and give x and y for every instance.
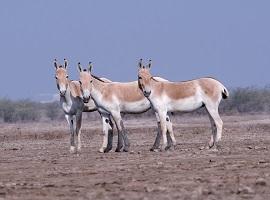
(225, 92)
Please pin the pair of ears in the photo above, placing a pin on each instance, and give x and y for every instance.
(60, 66)
(66, 64)
(143, 66)
(89, 69)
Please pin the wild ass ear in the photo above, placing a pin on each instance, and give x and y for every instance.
(55, 64)
(140, 63)
(90, 67)
(150, 63)
(65, 63)
(79, 67)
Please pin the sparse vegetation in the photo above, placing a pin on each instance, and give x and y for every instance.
(22, 110)
(53, 110)
(241, 100)
(248, 100)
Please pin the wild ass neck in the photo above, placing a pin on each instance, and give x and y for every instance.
(65, 101)
(96, 92)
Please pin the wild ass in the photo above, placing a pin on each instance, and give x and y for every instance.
(72, 104)
(183, 96)
(115, 98)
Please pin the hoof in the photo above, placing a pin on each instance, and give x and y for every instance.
(118, 148)
(72, 150)
(213, 148)
(153, 148)
(167, 148)
(172, 148)
(125, 149)
(78, 151)
(101, 150)
(211, 144)
(108, 149)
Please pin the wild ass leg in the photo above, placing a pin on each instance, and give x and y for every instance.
(162, 116)
(170, 134)
(105, 129)
(124, 134)
(214, 131)
(121, 133)
(78, 130)
(69, 119)
(107, 133)
(216, 124)
(110, 137)
(158, 136)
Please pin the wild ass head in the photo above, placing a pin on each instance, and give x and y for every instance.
(61, 77)
(85, 81)
(145, 78)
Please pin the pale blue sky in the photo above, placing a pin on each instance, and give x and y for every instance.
(229, 40)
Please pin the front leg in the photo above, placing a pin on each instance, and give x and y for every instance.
(158, 136)
(78, 130)
(69, 119)
(105, 129)
(162, 116)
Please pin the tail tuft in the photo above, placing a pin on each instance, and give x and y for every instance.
(225, 93)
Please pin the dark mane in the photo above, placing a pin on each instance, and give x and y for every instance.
(154, 79)
(185, 80)
(95, 77)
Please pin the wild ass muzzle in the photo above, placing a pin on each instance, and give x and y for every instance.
(183, 96)
(115, 98)
(71, 101)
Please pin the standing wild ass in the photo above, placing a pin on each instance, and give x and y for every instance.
(115, 98)
(183, 96)
(72, 104)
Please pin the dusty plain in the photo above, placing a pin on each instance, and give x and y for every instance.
(35, 162)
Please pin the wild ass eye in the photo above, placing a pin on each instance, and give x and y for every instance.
(67, 76)
(55, 77)
(91, 81)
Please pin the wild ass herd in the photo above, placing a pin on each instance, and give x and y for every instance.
(111, 99)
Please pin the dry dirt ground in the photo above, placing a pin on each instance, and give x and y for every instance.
(35, 162)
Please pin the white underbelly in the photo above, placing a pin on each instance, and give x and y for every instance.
(135, 107)
(185, 105)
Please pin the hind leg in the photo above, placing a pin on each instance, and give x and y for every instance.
(170, 135)
(216, 124)
(122, 134)
(158, 136)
